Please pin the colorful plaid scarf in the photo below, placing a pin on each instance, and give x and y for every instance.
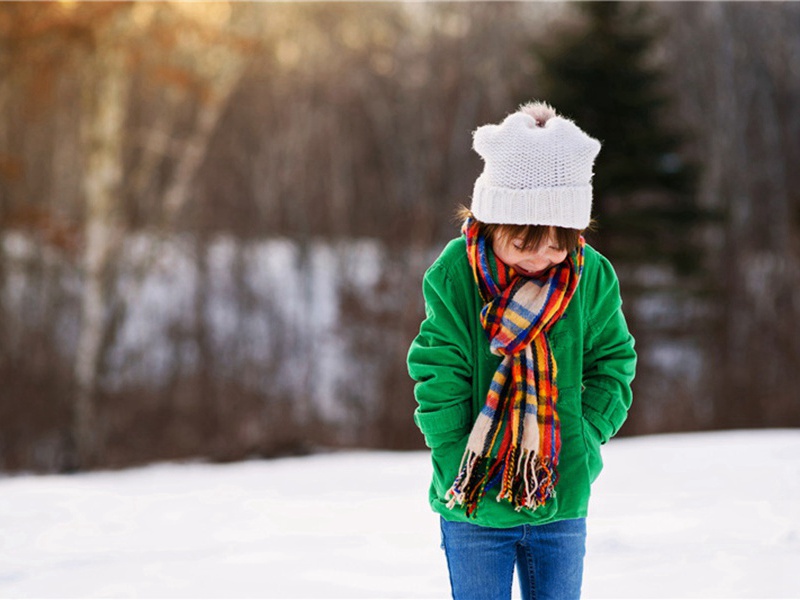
(517, 437)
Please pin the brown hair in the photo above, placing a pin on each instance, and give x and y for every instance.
(530, 235)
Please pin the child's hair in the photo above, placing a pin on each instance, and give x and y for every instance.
(531, 236)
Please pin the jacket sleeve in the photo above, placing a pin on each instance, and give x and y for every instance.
(609, 359)
(438, 360)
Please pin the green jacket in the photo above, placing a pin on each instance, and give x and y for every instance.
(451, 362)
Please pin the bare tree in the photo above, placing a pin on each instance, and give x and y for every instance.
(105, 96)
(742, 101)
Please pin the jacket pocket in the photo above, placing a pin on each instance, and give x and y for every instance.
(594, 458)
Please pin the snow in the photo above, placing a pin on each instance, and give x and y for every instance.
(673, 516)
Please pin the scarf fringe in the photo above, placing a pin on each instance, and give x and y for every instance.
(529, 481)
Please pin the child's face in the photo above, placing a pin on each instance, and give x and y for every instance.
(528, 262)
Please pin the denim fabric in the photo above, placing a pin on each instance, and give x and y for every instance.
(549, 560)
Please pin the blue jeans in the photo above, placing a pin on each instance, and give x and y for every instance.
(549, 560)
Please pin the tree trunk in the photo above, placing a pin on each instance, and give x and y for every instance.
(104, 102)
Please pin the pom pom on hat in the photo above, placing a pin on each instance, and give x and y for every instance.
(540, 111)
(537, 170)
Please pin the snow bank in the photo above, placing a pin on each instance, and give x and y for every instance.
(674, 516)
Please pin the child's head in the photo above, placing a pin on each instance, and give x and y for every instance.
(537, 172)
(534, 197)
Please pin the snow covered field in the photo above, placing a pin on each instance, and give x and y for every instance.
(675, 516)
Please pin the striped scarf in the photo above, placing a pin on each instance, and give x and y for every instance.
(516, 438)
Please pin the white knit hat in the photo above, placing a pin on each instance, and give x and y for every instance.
(537, 171)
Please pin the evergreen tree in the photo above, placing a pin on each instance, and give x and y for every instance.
(600, 70)
(601, 75)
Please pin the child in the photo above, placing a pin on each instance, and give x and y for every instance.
(523, 364)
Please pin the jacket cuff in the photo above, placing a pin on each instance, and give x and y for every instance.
(444, 425)
(606, 423)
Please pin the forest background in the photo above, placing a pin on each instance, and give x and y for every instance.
(215, 217)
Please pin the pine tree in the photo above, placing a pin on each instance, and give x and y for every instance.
(601, 75)
(601, 71)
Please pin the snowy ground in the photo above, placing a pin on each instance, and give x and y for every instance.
(677, 516)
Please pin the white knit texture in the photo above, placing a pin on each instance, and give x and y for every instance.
(534, 175)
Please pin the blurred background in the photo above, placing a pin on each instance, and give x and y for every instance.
(215, 217)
